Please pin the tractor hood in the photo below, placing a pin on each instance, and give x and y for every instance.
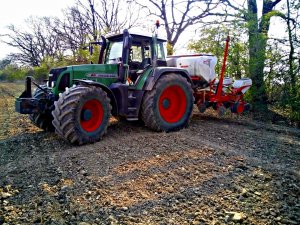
(102, 73)
(90, 71)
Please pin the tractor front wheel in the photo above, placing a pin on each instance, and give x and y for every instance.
(168, 106)
(82, 114)
(44, 119)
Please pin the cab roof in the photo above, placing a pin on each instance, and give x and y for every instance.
(136, 37)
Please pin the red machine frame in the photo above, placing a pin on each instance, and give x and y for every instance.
(219, 98)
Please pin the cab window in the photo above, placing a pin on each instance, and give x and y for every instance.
(161, 51)
(115, 52)
(136, 54)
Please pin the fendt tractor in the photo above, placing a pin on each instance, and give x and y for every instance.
(133, 80)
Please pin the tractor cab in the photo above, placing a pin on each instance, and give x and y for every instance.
(135, 53)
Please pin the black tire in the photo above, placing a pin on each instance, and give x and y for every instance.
(238, 107)
(75, 104)
(42, 120)
(162, 110)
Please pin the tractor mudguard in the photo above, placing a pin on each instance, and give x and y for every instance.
(161, 71)
(110, 94)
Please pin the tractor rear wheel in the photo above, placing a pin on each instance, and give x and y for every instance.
(42, 120)
(81, 114)
(168, 106)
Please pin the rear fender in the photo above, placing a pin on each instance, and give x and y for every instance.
(162, 71)
(109, 93)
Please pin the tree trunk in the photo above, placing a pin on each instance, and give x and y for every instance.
(258, 36)
(292, 74)
(257, 49)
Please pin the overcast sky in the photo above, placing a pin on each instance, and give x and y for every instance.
(16, 11)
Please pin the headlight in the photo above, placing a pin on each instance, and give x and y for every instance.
(47, 84)
(53, 84)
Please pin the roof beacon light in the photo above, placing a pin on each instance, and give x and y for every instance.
(157, 24)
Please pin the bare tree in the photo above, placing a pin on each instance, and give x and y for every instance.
(73, 30)
(57, 38)
(24, 42)
(111, 16)
(37, 42)
(177, 16)
(47, 41)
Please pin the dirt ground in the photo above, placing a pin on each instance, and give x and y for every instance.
(230, 170)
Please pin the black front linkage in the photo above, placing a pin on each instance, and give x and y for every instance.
(26, 104)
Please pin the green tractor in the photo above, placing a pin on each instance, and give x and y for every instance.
(130, 80)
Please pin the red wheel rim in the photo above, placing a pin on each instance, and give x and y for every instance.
(95, 113)
(172, 104)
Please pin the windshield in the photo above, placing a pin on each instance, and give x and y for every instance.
(115, 52)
